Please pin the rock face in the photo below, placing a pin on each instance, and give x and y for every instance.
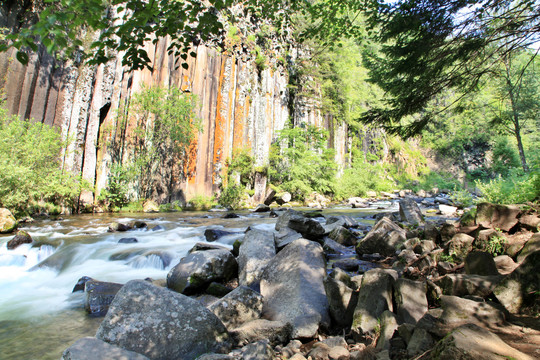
(385, 238)
(257, 249)
(7, 221)
(293, 290)
(90, 348)
(161, 324)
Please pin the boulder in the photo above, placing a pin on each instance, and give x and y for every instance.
(458, 311)
(319, 351)
(520, 289)
(237, 307)
(79, 286)
(269, 198)
(410, 212)
(342, 220)
(285, 236)
(385, 238)
(150, 206)
(283, 219)
(212, 356)
(410, 299)
(7, 221)
(374, 297)
(308, 227)
(205, 246)
(472, 342)
(218, 290)
(480, 263)
(420, 342)
(332, 247)
(495, 216)
(342, 301)
(257, 249)
(116, 226)
(260, 350)
(388, 325)
(343, 236)
(425, 246)
(137, 224)
(505, 265)
(90, 348)
(283, 198)
(431, 232)
(293, 290)
(99, 295)
(460, 245)
(162, 324)
(447, 210)
(530, 246)
(357, 202)
(530, 222)
(447, 232)
(463, 284)
(277, 332)
(129, 240)
(200, 268)
(261, 208)
(214, 234)
(22, 237)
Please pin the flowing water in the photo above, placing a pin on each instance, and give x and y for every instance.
(39, 314)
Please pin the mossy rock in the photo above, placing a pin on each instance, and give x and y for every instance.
(8, 223)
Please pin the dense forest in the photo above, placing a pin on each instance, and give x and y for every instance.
(433, 95)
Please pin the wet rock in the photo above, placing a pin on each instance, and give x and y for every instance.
(206, 246)
(388, 325)
(374, 297)
(410, 212)
(505, 265)
(277, 332)
(239, 306)
(520, 289)
(214, 234)
(342, 220)
(261, 208)
(420, 342)
(288, 296)
(342, 301)
(496, 216)
(257, 249)
(343, 236)
(125, 254)
(129, 240)
(200, 268)
(22, 237)
(116, 226)
(99, 295)
(460, 245)
(530, 246)
(8, 223)
(410, 298)
(260, 350)
(463, 284)
(332, 247)
(231, 216)
(90, 348)
(157, 228)
(350, 265)
(142, 313)
(385, 238)
(471, 342)
(79, 286)
(137, 224)
(154, 258)
(480, 263)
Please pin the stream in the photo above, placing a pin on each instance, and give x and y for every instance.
(39, 314)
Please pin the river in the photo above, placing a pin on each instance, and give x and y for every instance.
(39, 314)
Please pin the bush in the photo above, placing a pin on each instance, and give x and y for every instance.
(362, 177)
(514, 189)
(201, 202)
(231, 197)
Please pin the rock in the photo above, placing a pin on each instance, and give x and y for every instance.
(162, 324)
(332, 247)
(505, 265)
(212, 356)
(447, 209)
(340, 275)
(374, 297)
(350, 265)
(342, 220)
(447, 232)
(405, 331)
(420, 342)
(388, 325)
(385, 238)
(269, 198)
(410, 298)
(79, 286)
(335, 341)
(257, 249)
(338, 353)
(494, 216)
(530, 246)
(283, 219)
(8, 223)
(239, 306)
(90, 348)
(150, 206)
(139, 224)
(22, 237)
(407, 256)
(431, 232)
(230, 216)
(343, 236)
(308, 227)
(425, 246)
(471, 342)
(157, 228)
(216, 289)
(462, 284)
(444, 267)
(283, 198)
(357, 202)
(277, 332)
(99, 295)
(214, 234)
(530, 222)
(410, 212)
(480, 263)
(130, 240)
(116, 226)
(200, 268)
(520, 289)
(460, 245)
(261, 208)
(342, 301)
(458, 311)
(285, 236)
(205, 246)
(288, 296)
(260, 350)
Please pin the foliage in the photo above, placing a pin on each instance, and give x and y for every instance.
(201, 202)
(515, 189)
(300, 163)
(461, 198)
(242, 163)
(30, 166)
(231, 197)
(505, 157)
(116, 194)
(361, 178)
(495, 245)
(133, 206)
(171, 207)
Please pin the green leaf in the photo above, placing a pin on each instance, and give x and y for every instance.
(22, 57)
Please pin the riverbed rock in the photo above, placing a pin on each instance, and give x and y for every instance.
(277, 332)
(343, 236)
(342, 220)
(458, 311)
(505, 265)
(8, 223)
(530, 246)
(285, 236)
(293, 290)
(150, 206)
(22, 237)
(261, 208)
(205, 246)
(472, 342)
(463, 284)
(90, 348)
(419, 342)
(214, 234)
(385, 238)
(260, 350)
(495, 216)
(237, 307)
(120, 227)
(530, 222)
(283, 219)
(342, 301)
(480, 263)
(388, 325)
(257, 249)
(200, 268)
(308, 227)
(460, 245)
(128, 240)
(374, 297)
(99, 295)
(410, 212)
(162, 324)
(410, 298)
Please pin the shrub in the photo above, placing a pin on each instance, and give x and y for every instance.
(231, 197)
(201, 202)
(514, 189)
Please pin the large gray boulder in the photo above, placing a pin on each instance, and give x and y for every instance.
(293, 290)
(410, 298)
(460, 245)
(99, 295)
(472, 342)
(463, 284)
(532, 245)
(410, 212)
(277, 332)
(342, 301)
(283, 219)
(388, 325)
(374, 297)
(237, 307)
(162, 324)
(343, 236)
(90, 348)
(495, 216)
(198, 269)
(257, 249)
(385, 238)
(458, 311)
(308, 227)
(480, 263)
